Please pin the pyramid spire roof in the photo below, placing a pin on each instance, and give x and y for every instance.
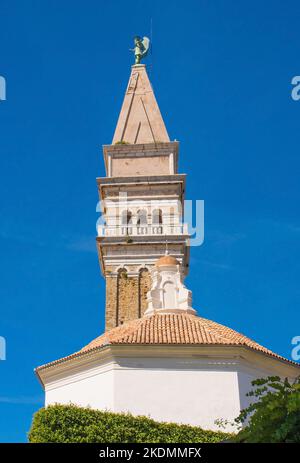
(140, 120)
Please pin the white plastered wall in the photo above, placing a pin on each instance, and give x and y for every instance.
(195, 391)
(90, 388)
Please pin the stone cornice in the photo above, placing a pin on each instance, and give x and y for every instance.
(208, 355)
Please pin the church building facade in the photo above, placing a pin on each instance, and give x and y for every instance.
(157, 356)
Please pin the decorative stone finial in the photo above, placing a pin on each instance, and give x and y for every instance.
(168, 293)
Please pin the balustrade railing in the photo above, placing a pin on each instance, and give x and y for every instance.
(138, 230)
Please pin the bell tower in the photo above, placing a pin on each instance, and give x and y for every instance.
(142, 199)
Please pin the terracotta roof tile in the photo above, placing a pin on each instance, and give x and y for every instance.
(171, 329)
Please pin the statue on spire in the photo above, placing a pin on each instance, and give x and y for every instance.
(141, 47)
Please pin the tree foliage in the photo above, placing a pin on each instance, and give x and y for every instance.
(274, 416)
(70, 423)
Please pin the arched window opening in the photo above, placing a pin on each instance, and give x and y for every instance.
(126, 217)
(157, 217)
(122, 291)
(157, 221)
(141, 218)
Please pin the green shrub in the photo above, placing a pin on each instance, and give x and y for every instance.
(275, 416)
(69, 423)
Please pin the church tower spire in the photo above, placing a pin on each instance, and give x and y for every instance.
(164, 353)
(142, 199)
(140, 120)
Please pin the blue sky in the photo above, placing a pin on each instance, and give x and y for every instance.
(221, 71)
